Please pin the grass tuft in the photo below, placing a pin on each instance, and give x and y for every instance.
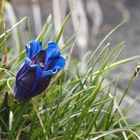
(75, 106)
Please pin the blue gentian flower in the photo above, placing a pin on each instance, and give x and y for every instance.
(35, 74)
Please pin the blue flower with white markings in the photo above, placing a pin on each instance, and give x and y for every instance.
(35, 74)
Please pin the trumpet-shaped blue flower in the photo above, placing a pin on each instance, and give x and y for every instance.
(35, 74)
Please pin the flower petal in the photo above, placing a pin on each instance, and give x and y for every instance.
(39, 58)
(24, 68)
(47, 73)
(52, 51)
(37, 79)
(55, 64)
(59, 63)
(42, 85)
(34, 48)
(28, 82)
(24, 84)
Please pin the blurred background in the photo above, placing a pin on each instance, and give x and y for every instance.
(91, 21)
